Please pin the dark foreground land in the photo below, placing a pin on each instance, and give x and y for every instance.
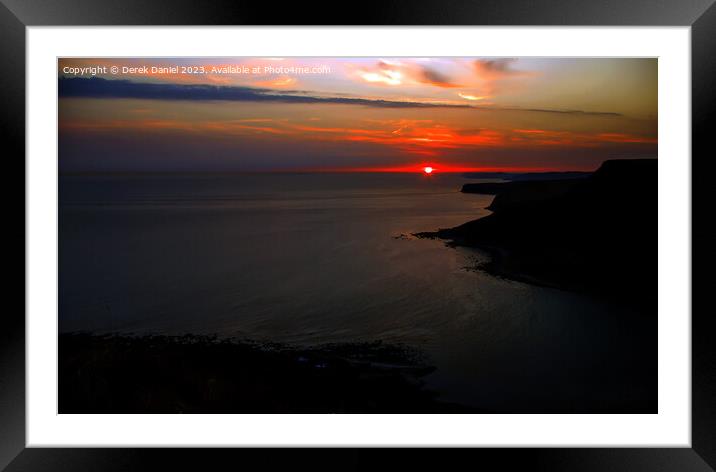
(595, 233)
(192, 374)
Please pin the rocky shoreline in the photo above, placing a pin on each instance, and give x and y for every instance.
(120, 373)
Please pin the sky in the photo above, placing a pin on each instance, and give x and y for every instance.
(354, 114)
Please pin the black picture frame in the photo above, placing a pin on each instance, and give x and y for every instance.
(16, 15)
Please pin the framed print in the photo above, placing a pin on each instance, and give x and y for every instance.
(431, 227)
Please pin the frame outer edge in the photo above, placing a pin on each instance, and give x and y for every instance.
(703, 103)
(368, 12)
(531, 459)
(12, 333)
(12, 119)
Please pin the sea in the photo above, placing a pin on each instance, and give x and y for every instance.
(312, 259)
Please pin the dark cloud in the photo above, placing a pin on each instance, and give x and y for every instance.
(96, 87)
(433, 77)
(494, 73)
(102, 88)
(500, 66)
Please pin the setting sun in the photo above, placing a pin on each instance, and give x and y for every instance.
(428, 170)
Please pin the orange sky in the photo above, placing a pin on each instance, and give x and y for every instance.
(328, 114)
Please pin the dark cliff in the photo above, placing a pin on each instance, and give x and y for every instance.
(596, 234)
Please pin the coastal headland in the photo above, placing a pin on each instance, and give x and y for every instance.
(595, 233)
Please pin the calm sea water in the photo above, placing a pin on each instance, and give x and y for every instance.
(311, 259)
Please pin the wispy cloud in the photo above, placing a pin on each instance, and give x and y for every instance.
(494, 74)
(491, 69)
(394, 73)
(467, 96)
(407, 136)
(434, 77)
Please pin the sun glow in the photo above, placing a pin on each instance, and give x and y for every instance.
(428, 170)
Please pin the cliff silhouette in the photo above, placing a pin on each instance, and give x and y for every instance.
(594, 234)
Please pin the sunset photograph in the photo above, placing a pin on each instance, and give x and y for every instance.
(357, 235)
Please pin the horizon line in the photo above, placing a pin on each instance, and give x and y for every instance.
(328, 171)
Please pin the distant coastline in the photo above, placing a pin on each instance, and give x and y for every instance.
(526, 176)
